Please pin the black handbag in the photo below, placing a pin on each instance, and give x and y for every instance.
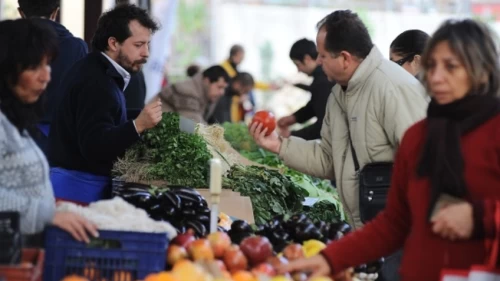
(374, 183)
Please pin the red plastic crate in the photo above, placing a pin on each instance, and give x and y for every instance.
(30, 269)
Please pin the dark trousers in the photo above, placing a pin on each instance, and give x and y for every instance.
(390, 270)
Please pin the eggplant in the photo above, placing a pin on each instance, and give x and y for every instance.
(169, 211)
(298, 218)
(172, 199)
(303, 234)
(188, 194)
(275, 224)
(325, 229)
(240, 226)
(198, 227)
(237, 237)
(187, 204)
(188, 212)
(345, 228)
(221, 229)
(320, 224)
(261, 230)
(202, 218)
(203, 211)
(139, 199)
(279, 236)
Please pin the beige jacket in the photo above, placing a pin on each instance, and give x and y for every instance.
(189, 98)
(381, 101)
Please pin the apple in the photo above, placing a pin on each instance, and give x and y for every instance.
(235, 259)
(219, 241)
(264, 269)
(257, 249)
(293, 252)
(201, 250)
(176, 253)
(184, 239)
(220, 265)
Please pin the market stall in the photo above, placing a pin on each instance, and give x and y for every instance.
(174, 216)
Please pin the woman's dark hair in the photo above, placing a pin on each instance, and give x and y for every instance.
(345, 31)
(475, 45)
(302, 48)
(114, 23)
(38, 8)
(214, 73)
(24, 43)
(410, 42)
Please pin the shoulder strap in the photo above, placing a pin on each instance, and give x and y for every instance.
(353, 152)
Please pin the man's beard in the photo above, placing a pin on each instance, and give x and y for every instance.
(129, 65)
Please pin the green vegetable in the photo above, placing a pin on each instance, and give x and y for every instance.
(239, 138)
(324, 211)
(271, 193)
(170, 155)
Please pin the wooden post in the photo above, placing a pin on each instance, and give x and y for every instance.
(93, 10)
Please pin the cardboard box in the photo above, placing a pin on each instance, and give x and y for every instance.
(232, 204)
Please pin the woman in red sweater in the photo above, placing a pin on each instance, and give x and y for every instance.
(454, 153)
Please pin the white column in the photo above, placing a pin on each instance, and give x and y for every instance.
(72, 16)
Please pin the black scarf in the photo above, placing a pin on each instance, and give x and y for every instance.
(441, 159)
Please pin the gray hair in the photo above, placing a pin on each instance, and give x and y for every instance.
(475, 45)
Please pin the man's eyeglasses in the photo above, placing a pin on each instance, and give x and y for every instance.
(405, 59)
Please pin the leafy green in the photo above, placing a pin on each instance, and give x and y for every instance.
(271, 193)
(172, 155)
(324, 210)
(239, 138)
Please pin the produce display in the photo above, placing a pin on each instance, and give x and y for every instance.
(237, 256)
(181, 206)
(166, 154)
(239, 137)
(117, 213)
(267, 120)
(271, 192)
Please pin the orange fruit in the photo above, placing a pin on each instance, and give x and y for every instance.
(74, 278)
(242, 275)
(167, 276)
(121, 275)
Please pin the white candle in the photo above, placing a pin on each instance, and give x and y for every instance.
(215, 176)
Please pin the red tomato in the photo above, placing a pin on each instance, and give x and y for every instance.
(267, 120)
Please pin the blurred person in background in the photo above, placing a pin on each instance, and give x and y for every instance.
(91, 129)
(192, 70)
(71, 50)
(373, 103)
(236, 57)
(228, 111)
(407, 49)
(443, 196)
(27, 48)
(304, 54)
(196, 97)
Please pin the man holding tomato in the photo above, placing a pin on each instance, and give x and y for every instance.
(304, 54)
(372, 105)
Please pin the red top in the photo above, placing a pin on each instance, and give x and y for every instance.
(404, 221)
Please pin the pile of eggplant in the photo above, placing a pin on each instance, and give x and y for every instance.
(183, 207)
(299, 228)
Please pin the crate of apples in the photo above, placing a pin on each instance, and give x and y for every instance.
(216, 258)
